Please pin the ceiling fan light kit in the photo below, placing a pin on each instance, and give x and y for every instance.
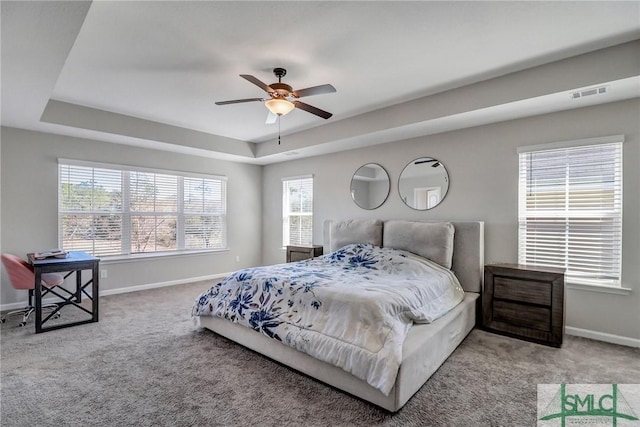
(279, 106)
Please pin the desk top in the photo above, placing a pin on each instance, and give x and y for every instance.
(72, 256)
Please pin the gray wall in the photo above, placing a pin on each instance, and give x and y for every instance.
(483, 168)
(30, 196)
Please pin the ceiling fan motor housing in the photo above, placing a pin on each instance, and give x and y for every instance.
(281, 90)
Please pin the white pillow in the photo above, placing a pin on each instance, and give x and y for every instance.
(431, 240)
(343, 233)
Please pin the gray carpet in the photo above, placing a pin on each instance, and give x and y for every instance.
(146, 364)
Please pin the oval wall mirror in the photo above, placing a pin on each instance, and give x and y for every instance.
(423, 183)
(370, 186)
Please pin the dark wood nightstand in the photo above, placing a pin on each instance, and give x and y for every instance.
(298, 253)
(524, 302)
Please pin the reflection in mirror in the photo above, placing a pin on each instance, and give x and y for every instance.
(423, 183)
(370, 186)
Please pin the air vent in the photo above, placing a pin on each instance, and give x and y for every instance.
(589, 92)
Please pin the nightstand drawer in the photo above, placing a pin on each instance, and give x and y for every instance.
(298, 256)
(522, 290)
(522, 315)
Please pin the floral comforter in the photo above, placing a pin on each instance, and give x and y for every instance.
(351, 308)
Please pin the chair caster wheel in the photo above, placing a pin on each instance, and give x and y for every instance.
(3, 320)
(57, 316)
(21, 324)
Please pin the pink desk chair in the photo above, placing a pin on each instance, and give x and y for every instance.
(21, 276)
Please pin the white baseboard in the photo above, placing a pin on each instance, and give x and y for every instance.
(602, 336)
(125, 289)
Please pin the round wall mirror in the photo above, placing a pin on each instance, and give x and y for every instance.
(423, 183)
(370, 186)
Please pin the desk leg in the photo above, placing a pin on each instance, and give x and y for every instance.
(78, 286)
(38, 295)
(95, 290)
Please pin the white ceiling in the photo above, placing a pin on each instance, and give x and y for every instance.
(161, 65)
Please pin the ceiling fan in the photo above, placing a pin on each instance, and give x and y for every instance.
(283, 98)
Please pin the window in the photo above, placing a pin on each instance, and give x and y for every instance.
(297, 211)
(570, 209)
(109, 210)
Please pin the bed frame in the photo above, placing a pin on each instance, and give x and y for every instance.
(426, 347)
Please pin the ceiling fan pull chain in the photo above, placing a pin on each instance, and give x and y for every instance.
(279, 117)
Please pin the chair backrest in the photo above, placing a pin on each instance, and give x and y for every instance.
(19, 271)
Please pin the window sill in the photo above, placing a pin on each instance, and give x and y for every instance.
(158, 255)
(600, 289)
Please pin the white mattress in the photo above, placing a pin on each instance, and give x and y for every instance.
(426, 347)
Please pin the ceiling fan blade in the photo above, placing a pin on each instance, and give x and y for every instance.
(315, 90)
(313, 110)
(271, 118)
(237, 101)
(265, 87)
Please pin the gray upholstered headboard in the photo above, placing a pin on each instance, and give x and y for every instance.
(468, 245)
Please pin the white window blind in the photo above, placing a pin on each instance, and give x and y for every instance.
(112, 210)
(297, 211)
(90, 209)
(153, 202)
(570, 211)
(205, 213)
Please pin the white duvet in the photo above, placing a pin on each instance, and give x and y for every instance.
(351, 308)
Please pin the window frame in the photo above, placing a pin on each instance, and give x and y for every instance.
(614, 214)
(126, 212)
(287, 214)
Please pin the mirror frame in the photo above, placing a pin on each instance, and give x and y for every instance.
(446, 178)
(351, 190)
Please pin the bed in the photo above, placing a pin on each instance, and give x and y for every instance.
(458, 246)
